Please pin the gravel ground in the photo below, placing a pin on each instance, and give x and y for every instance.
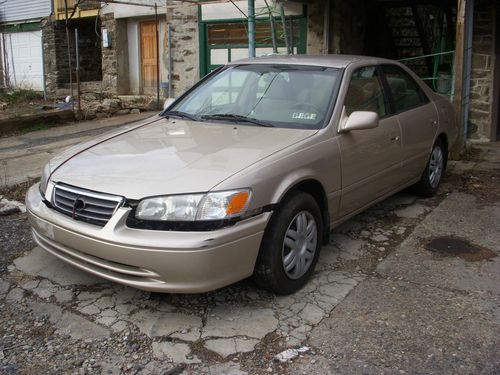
(15, 238)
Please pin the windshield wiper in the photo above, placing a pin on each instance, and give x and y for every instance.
(237, 118)
(180, 114)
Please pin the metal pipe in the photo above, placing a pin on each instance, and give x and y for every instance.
(251, 28)
(157, 58)
(285, 34)
(469, 23)
(326, 28)
(43, 71)
(170, 61)
(273, 28)
(77, 72)
(69, 55)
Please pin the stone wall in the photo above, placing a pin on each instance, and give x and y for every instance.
(49, 57)
(185, 46)
(480, 119)
(315, 23)
(115, 57)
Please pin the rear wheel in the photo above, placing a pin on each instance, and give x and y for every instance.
(431, 178)
(290, 246)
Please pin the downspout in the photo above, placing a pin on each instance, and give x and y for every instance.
(170, 61)
(326, 28)
(251, 28)
(43, 71)
(469, 28)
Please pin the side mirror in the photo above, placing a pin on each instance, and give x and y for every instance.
(360, 120)
(168, 102)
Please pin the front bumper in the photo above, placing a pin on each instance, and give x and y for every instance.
(161, 261)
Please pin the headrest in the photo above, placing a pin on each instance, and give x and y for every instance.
(397, 85)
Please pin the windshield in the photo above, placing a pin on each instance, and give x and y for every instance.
(292, 96)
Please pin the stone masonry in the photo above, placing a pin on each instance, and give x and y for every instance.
(185, 46)
(480, 119)
(50, 56)
(115, 57)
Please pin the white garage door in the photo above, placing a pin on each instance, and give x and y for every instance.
(24, 57)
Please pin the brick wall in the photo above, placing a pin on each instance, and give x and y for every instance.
(185, 46)
(482, 71)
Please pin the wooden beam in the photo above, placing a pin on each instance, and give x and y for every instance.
(459, 77)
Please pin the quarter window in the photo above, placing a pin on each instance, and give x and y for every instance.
(365, 92)
(406, 93)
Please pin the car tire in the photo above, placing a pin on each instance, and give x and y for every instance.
(285, 264)
(434, 171)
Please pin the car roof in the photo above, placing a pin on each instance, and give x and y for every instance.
(333, 61)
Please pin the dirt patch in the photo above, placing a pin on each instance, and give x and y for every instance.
(18, 192)
(459, 247)
(485, 186)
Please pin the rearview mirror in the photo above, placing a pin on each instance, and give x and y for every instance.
(360, 120)
(168, 102)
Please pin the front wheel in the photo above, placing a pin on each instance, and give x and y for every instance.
(290, 246)
(431, 178)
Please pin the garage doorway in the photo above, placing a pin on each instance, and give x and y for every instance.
(149, 55)
(23, 54)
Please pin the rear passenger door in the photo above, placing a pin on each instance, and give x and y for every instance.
(417, 116)
(371, 158)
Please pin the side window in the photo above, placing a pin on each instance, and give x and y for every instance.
(365, 92)
(406, 93)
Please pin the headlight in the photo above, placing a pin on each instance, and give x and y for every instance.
(44, 180)
(193, 207)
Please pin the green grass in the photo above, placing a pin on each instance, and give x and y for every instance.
(32, 128)
(20, 96)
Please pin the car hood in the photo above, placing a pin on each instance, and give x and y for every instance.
(169, 156)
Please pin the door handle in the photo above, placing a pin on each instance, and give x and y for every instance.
(395, 139)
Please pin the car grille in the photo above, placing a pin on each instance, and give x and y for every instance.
(85, 205)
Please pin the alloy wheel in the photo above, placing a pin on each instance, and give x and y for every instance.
(436, 166)
(299, 245)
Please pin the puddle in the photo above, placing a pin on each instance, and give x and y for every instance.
(459, 247)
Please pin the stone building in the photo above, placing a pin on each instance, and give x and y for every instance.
(211, 33)
(121, 53)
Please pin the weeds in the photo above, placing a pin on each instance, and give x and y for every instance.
(17, 192)
(20, 96)
(38, 126)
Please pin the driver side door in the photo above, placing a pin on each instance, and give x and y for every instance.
(370, 158)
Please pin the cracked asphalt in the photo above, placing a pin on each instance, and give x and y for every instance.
(379, 301)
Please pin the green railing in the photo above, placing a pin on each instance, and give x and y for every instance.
(441, 81)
